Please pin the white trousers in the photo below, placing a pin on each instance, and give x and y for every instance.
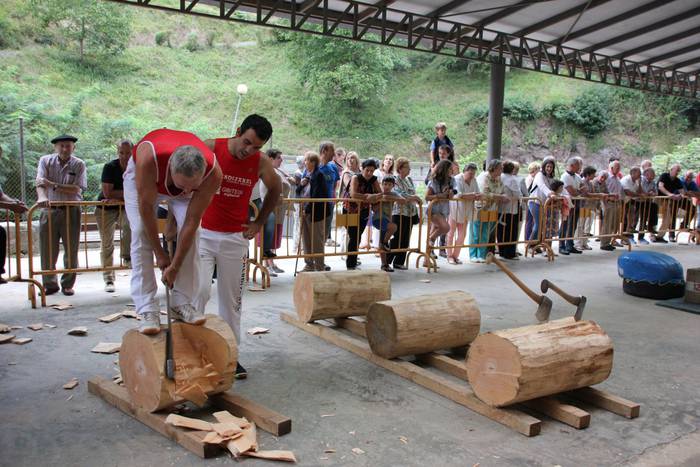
(228, 252)
(143, 278)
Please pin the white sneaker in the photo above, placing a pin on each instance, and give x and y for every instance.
(150, 322)
(188, 314)
(109, 287)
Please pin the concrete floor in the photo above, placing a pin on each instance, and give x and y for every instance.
(656, 364)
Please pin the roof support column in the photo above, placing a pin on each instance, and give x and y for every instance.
(495, 125)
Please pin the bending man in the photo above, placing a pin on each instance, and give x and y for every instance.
(177, 167)
(225, 225)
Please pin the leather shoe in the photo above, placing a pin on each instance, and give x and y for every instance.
(608, 248)
(50, 290)
(575, 251)
(68, 291)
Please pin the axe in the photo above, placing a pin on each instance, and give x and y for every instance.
(578, 302)
(545, 303)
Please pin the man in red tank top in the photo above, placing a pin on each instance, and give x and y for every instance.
(226, 229)
(178, 168)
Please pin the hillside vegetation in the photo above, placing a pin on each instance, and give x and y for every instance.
(181, 72)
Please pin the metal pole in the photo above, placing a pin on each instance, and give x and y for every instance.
(495, 124)
(22, 170)
(235, 115)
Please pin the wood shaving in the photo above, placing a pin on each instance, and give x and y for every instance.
(71, 384)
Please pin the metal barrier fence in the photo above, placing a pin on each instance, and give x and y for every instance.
(16, 232)
(347, 221)
(343, 221)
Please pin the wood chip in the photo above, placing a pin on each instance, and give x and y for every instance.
(51, 326)
(358, 451)
(21, 340)
(324, 415)
(36, 326)
(285, 456)
(213, 438)
(403, 439)
(226, 430)
(329, 451)
(425, 281)
(61, 306)
(258, 330)
(4, 328)
(78, 331)
(69, 397)
(251, 433)
(256, 289)
(110, 318)
(4, 339)
(187, 422)
(226, 417)
(118, 380)
(71, 384)
(130, 314)
(239, 445)
(15, 327)
(107, 347)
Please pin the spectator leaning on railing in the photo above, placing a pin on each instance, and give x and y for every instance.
(540, 189)
(365, 188)
(18, 208)
(60, 177)
(632, 186)
(672, 186)
(611, 207)
(572, 189)
(649, 208)
(462, 211)
(404, 215)
(314, 213)
(492, 197)
(108, 217)
(507, 228)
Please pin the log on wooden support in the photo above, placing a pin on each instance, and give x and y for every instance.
(459, 393)
(205, 361)
(607, 401)
(422, 324)
(339, 294)
(515, 365)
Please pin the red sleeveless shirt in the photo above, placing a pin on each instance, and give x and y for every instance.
(228, 210)
(164, 142)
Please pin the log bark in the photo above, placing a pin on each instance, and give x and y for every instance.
(422, 324)
(514, 365)
(205, 362)
(323, 295)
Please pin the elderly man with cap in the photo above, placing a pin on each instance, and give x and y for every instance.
(60, 177)
(178, 168)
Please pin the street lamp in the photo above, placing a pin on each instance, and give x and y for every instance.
(241, 89)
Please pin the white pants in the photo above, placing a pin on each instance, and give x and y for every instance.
(143, 279)
(228, 252)
(582, 228)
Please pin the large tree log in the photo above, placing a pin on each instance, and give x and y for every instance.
(322, 295)
(422, 324)
(513, 365)
(205, 361)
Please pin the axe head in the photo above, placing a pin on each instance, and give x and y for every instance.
(544, 310)
(579, 308)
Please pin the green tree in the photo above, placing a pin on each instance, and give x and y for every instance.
(343, 72)
(98, 28)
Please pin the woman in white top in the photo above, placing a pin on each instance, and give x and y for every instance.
(540, 189)
(462, 211)
(507, 228)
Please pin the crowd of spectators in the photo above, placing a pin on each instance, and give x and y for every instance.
(495, 210)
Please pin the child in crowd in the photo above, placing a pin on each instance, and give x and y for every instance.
(440, 189)
(381, 218)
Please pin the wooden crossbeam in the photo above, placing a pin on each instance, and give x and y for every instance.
(459, 393)
(607, 401)
(565, 413)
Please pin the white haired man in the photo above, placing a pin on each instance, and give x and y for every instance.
(177, 167)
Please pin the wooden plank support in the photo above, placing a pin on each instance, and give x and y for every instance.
(265, 418)
(459, 393)
(445, 363)
(119, 397)
(565, 413)
(607, 401)
(354, 325)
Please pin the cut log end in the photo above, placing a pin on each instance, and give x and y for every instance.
(205, 360)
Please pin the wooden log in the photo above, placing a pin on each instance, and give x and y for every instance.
(514, 365)
(205, 361)
(422, 324)
(323, 295)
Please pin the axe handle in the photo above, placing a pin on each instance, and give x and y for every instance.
(546, 285)
(529, 292)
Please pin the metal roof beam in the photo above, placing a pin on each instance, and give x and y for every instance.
(686, 63)
(643, 30)
(308, 5)
(674, 53)
(560, 17)
(614, 20)
(507, 11)
(666, 40)
(370, 10)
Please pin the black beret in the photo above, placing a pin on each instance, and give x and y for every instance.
(64, 138)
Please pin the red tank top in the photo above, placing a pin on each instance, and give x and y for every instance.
(228, 210)
(164, 142)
